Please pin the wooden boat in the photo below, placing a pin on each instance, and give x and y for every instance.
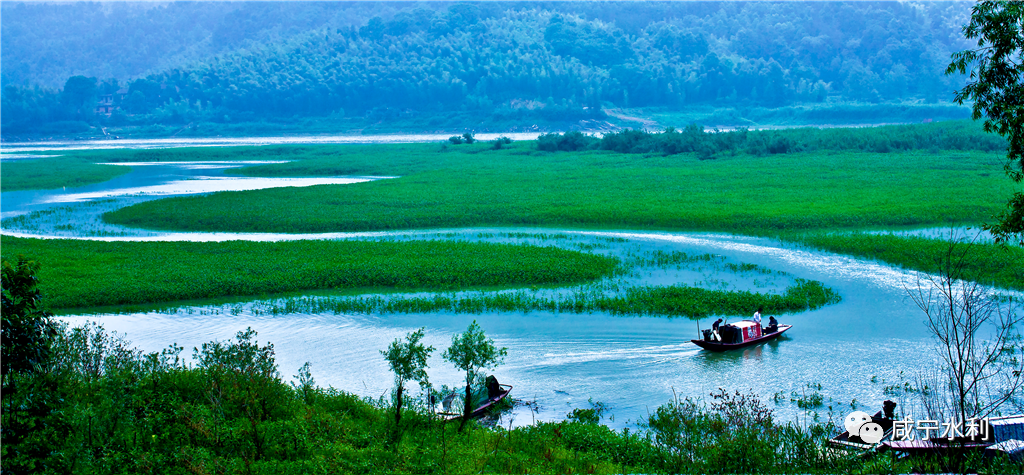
(482, 408)
(746, 333)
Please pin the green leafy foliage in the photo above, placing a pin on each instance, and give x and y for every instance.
(590, 415)
(26, 330)
(408, 360)
(32, 418)
(471, 351)
(87, 274)
(997, 91)
(737, 434)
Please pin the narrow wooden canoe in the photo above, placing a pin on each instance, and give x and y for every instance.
(479, 411)
(719, 346)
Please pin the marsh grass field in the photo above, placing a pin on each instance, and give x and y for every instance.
(80, 274)
(41, 173)
(448, 186)
(829, 184)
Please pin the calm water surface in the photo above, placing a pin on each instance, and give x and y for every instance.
(873, 338)
(21, 147)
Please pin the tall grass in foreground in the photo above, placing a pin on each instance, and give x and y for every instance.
(100, 405)
(79, 274)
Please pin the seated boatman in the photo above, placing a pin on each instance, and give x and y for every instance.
(773, 325)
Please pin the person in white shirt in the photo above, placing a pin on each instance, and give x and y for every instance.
(757, 316)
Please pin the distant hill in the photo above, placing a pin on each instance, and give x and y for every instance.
(223, 62)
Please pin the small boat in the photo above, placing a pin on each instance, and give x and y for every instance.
(738, 335)
(482, 403)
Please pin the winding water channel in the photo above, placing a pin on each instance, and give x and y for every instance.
(873, 339)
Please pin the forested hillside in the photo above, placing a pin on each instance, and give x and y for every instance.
(182, 63)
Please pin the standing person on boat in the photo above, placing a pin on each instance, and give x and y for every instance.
(714, 329)
(757, 319)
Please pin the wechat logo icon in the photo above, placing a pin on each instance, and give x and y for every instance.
(859, 424)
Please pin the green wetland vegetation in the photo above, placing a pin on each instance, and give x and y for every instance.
(100, 405)
(988, 263)
(806, 185)
(90, 275)
(671, 301)
(78, 274)
(42, 173)
(448, 186)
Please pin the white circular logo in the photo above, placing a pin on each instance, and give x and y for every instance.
(871, 433)
(854, 421)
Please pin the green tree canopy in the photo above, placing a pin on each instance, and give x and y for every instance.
(26, 330)
(472, 352)
(995, 86)
(408, 360)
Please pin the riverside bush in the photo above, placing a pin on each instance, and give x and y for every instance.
(956, 135)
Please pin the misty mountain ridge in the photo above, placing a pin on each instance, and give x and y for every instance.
(249, 61)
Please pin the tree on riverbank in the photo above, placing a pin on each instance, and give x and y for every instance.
(979, 342)
(408, 360)
(473, 352)
(996, 86)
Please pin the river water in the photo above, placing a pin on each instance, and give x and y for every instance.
(18, 149)
(849, 353)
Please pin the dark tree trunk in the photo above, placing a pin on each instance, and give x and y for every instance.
(398, 407)
(468, 408)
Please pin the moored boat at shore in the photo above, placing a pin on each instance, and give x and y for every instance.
(482, 401)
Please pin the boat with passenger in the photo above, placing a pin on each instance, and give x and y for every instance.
(483, 398)
(739, 335)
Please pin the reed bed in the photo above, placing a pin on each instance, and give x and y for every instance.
(78, 274)
(669, 301)
(987, 263)
(474, 186)
(44, 173)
